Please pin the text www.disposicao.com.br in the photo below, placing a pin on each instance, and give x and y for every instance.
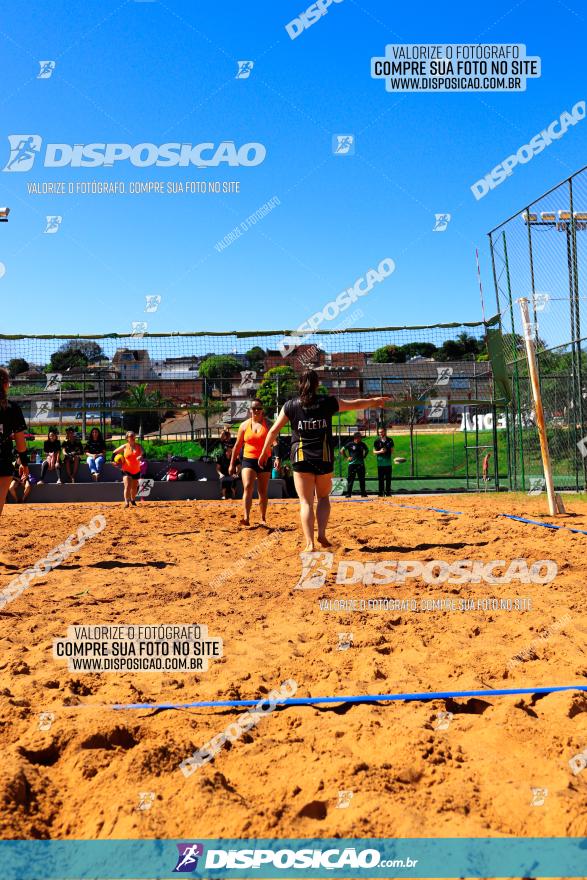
(135, 664)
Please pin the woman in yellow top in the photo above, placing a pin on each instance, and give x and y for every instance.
(252, 435)
(132, 454)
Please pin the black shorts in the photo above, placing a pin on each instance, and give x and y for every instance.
(132, 476)
(253, 463)
(318, 468)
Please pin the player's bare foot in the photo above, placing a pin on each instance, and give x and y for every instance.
(324, 542)
(309, 548)
(244, 522)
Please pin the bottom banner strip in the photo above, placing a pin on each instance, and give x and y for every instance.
(274, 858)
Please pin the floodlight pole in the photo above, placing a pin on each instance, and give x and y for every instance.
(554, 503)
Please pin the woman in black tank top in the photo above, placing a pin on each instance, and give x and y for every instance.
(312, 450)
(12, 429)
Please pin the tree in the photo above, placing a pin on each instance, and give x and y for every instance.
(278, 385)
(220, 367)
(62, 361)
(143, 408)
(389, 354)
(470, 344)
(450, 350)
(17, 366)
(255, 357)
(75, 354)
(461, 348)
(208, 407)
(513, 344)
(191, 410)
(419, 349)
(87, 347)
(416, 392)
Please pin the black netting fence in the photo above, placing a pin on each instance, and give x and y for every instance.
(540, 253)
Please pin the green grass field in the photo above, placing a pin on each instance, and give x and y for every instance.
(435, 455)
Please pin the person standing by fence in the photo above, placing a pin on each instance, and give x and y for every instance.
(356, 451)
(382, 449)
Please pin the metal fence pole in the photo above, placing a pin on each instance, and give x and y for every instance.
(516, 372)
(495, 450)
(510, 466)
(84, 407)
(206, 413)
(531, 258)
(575, 376)
(577, 322)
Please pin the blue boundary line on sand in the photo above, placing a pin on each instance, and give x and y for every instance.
(532, 522)
(536, 522)
(362, 698)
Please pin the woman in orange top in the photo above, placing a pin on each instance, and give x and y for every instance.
(132, 454)
(252, 435)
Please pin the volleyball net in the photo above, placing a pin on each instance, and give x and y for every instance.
(185, 386)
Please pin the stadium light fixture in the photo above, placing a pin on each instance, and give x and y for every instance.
(560, 220)
(4, 212)
(578, 215)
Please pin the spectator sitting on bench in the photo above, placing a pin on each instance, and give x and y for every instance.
(227, 481)
(72, 450)
(287, 476)
(96, 453)
(227, 441)
(52, 449)
(20, 477)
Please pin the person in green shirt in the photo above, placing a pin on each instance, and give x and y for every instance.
(356, 451)
(382, 449)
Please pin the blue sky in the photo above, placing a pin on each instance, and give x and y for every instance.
(156, 72)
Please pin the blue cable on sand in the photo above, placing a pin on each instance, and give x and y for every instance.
(363, 698)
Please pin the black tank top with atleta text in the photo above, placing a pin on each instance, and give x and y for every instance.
(311, 429)
(11, 422)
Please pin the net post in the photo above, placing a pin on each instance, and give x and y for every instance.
(554, 505)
